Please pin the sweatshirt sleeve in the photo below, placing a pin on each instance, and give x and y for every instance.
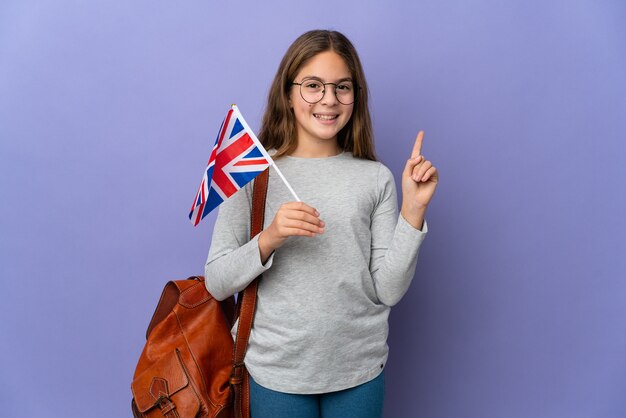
(234, 260)
(395, 244)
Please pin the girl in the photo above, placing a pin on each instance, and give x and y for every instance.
(333, 266)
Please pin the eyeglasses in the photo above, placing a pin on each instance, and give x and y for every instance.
(312, 90)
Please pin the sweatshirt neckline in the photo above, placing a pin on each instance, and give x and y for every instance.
(332, 157)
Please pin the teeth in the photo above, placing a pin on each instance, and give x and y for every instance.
(326, 117)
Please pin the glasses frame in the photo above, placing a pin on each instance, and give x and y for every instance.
(356, 88)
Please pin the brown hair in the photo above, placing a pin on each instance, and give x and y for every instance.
(278, 129)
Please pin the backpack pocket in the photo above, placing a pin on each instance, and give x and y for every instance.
(165, 387)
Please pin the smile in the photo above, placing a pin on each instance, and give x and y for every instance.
(325, 117)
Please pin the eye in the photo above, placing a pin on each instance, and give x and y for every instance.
(344, 87)
(312, 85)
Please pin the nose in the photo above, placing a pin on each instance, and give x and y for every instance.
(330, 96)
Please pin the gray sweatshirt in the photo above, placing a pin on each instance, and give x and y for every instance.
(323, 302)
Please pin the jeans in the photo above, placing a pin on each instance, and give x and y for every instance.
(363, 401)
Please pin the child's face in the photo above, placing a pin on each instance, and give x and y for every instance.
(323, 120)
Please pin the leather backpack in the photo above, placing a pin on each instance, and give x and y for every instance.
(190, 366)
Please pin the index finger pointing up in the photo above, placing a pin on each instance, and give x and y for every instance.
(417, 148)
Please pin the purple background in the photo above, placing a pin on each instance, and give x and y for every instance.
(107, 114)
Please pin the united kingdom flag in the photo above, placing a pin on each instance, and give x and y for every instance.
(237, 158)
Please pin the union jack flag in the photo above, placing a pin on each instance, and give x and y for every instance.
(237, 158)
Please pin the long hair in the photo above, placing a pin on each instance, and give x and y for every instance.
(278, 129)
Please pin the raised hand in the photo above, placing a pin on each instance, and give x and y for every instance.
(419, 181)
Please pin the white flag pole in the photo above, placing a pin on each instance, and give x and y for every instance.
(286, 183)
(263, 151)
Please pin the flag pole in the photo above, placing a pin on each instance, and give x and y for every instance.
(286, 182)
(263, 151)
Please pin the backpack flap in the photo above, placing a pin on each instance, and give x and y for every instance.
(165, 385)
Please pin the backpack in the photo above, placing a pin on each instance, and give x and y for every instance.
(190, 366)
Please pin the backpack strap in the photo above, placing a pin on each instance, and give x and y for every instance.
(246, 303)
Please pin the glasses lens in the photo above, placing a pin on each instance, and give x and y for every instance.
(345, 92)
(312, 91)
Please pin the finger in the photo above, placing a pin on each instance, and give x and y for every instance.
(431, 172)
(301, 206)
(418, 172)
(300, 215)
(417, 147)
(302, 225)
(411, 163)
(297, 231)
